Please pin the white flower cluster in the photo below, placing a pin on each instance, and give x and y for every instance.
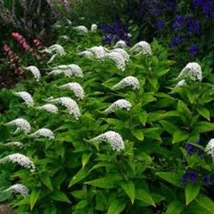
(192, 70)
(210, 148)
(68, 70)
(122, 52)
(113, 138)
(18, 188)
(142, 47)
(35, 71)
(57, 49)
(26, 97)
(119, 104)
(21, 123)
(87, 54)
(93, 27)
(20, 159)
(81, 28)
(98, 51)
(120, 44)
(17, 144)
(118, 59)
(181, 83)
(43, 132)
(64, 37)
(70, 104)
(76, 88)
(129, 81)
(49, 108)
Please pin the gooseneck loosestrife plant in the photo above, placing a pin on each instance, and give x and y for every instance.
(118, 133)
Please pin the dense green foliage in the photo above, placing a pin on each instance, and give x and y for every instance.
(75, 175)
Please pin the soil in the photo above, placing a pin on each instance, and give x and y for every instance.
(5, 209)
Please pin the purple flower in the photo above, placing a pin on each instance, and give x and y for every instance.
(193, 51)
(194, 177)
(205, 180)
(160, 25)
(212, 179)
(197, 3)
(207, 7)
(190, 149)
(175, 42)
(189, 177)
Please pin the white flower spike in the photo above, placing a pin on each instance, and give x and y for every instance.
(18, 188)
(35, 71)
(19, 159)
(129, 81)
(98, 51)
(113, 138)
(119, 104)
(43, 133)
(26, 97)
(120, 44)
(21, 123)
(142, 47)
(93, 27)
(192, 70)
(181, 83)
(49, 108)
(122, 52)
(210, 148)
(17, 144)
(76, 88)
(118, 59)
(70, 104)
(81, 28)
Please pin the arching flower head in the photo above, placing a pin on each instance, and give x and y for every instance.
(118, 59)
(81, 28)
(129, 81)
(191, 71)
(21, 123)
(43, 132)
(76, 88)
(122, 52)
(119, 104)
(19, 159)
(18, 188)
(210, 148)
(70, 104)
(120, 44)
(49, 108)
(142, 47)
(93, 27)
(111, 137)
(26, 97)
(35, 71)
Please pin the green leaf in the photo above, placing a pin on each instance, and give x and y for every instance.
(144, 196)
(50, 210)
(116, 207)
(205, 202)
(175, 207)
(191, 192)
(171, 177)
(179, 136)
(169, 127)
(182, 107)
(34, 197)
(46, 181)
(204, 112)
(60, 196)
(143, 118)
(129, 189)
(5, 195)
(85, 158)
(202, 127)
(138, 133)
(101, 182)
(81, 174)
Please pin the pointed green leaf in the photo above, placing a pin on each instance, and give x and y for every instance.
(101, 182)
(175, 207)
(85, 158)
(205, 202)
(50, 210)
(138, 133)
(202, 127)
(59, 196)
(129, 189)
(179, 136)
(116, 207)
(34, 197)
(171, 177)
(204, 112)
(46, 181)
(191, 192)
(81, 174)
(144, 196)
